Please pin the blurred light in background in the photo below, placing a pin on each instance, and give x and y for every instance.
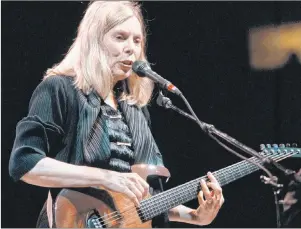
(270, 47)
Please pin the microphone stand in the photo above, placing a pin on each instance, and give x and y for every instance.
(210, 130)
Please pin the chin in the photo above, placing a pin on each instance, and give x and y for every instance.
(122, 75)
(127, 75)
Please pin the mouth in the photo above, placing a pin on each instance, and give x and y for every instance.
(127, 63)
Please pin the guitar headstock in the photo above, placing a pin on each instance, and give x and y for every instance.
(281, 149)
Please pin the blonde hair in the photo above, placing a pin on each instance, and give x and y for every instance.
(86, 59)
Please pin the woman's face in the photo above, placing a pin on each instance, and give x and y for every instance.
(123, 44)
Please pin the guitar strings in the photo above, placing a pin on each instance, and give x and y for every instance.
(131, 209)
(109, 219)
(223, 172)
(139, 211)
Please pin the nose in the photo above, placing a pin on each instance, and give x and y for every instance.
(129, 47)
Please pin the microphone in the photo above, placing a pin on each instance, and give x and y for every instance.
(142, 69)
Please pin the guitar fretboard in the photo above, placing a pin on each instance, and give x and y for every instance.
(166, 200)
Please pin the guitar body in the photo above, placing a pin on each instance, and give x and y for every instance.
(98, 207)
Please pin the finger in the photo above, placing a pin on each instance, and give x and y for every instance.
(136, 191)
(142, 187)
(212, 178)
(139, 187)
(218, 194)
(222, 201)
(201, 198)
(142, 182)
(132, 196)
(215, 188)
(205, 190)
(213, 196)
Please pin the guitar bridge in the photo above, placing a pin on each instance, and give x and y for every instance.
(94, 220)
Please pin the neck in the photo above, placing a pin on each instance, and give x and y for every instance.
(111, 97)
(111, 100)
(115, 82)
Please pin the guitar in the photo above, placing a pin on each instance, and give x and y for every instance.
(99, 208)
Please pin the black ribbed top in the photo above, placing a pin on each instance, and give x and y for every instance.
(122, 153)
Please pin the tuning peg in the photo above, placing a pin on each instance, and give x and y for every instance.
(271, 151)
(262, 147)
(281, 145)
(285, 151)
(275, 146)
(265, 151)
(295, 145)
(279, 151)
(292, 150)
(288, 145)
(269, 146)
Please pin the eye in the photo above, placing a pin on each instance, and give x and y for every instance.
(137, 41)
(120, 37)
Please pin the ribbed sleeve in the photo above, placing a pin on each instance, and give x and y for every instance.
(42, 129)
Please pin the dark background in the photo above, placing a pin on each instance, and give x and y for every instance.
(202, 47)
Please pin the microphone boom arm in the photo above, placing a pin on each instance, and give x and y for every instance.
(210, 129)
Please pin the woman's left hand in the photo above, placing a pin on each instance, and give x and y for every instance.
(210, 205)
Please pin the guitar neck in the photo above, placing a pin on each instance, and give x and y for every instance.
(171, 198)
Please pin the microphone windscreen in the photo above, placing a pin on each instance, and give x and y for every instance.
(139, 67)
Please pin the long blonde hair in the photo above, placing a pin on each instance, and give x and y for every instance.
(86, 59)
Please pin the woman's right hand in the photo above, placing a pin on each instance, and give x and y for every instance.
(49, 172)
(130, 184)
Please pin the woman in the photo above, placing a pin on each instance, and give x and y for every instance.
(86, 118)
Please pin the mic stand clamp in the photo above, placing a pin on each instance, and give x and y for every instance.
(165, 102)
(271, 180)
(276, 191)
